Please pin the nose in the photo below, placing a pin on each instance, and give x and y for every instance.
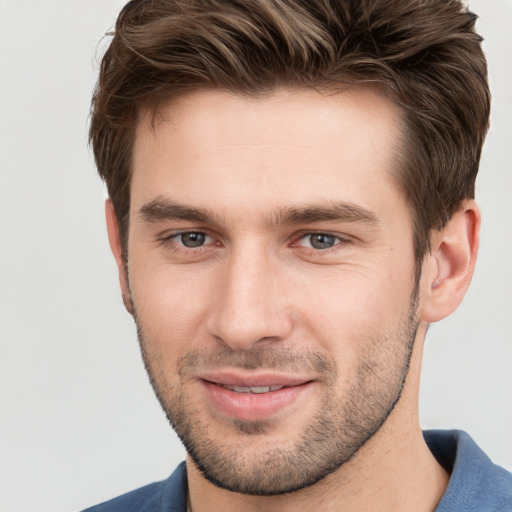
(250, 306)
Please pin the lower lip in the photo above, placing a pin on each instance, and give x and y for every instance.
(252, 406)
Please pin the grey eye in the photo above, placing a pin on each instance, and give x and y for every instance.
(322, 241)
(192, 239)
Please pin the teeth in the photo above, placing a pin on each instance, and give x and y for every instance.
(253, 389)
(260, 389)
(240, 390)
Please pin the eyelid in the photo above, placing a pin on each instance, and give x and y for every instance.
(171, 237)
(341, 238)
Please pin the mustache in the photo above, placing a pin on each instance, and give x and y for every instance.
(282, 359)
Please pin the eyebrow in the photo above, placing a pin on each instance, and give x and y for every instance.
(326, 211)
(162, 208)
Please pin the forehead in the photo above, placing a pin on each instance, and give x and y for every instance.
(294, 145)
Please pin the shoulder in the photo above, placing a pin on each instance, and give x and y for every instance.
(476, 483)
(168, 495)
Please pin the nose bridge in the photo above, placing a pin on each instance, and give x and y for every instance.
(249, 306)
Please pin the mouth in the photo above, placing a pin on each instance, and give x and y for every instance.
(258, 390)
(254, 398)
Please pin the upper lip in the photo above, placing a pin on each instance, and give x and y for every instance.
(227, 378)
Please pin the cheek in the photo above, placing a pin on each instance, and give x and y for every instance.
(171, 306)
(354, 304)
(349, 291)
(335, 308)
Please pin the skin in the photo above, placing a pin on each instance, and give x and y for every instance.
(254, 299)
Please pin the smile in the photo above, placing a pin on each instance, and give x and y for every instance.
(254, 398)
(254, 389)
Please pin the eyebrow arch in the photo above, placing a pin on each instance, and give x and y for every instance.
(330, 211)
(162, 208)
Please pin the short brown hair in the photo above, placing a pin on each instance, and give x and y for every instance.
(424, 54)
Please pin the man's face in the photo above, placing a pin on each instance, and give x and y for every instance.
(271, 274)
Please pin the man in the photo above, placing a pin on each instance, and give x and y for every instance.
(291, 205)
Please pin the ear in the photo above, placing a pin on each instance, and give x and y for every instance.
(448, 269)
(115, 245)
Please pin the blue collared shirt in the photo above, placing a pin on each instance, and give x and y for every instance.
(476, 484)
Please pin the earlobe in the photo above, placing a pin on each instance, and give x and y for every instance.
(448, 269)
(115, 245)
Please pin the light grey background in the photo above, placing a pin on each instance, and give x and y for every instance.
(79, 423)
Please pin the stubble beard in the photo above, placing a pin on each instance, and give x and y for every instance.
(344, 422)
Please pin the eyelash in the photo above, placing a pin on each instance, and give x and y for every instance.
(169, 240)
(339, 241)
